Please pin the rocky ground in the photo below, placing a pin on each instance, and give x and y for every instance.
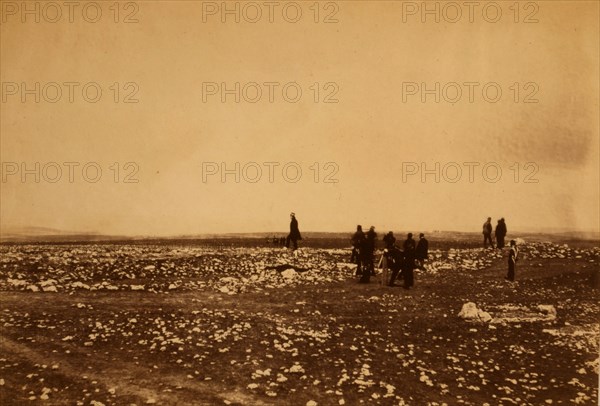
(121, 324)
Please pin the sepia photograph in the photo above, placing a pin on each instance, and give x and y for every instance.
(299, 203)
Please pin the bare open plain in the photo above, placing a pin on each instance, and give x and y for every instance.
(177, 322)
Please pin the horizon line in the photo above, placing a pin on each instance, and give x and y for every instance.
(8, 236)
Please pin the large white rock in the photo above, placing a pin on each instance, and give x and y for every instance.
(469, 311)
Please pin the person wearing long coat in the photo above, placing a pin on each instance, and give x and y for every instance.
(487, 233)
(409, 261)
(367, 252)
(294, 234)
(358, 241)
(500, 233)
(512, 260)
(422, 251)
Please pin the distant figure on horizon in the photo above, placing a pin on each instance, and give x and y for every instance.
(500, 233)
(487, 233)
(422, 251)
(512, 260)
(294, 234)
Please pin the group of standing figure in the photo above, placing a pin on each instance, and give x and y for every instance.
(500, 234)
(401, 262)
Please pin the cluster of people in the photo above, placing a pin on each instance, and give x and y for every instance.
(499, 232)
(277, 240)
(401, 261)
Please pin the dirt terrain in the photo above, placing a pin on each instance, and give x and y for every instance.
(174, 323)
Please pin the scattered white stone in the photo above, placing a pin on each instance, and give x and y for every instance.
(288, 274)
(16, 282)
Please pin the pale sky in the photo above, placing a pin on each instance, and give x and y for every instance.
(371, 134)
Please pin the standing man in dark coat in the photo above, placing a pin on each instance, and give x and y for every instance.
(358, 241)
(409, 261)
(487, 233)
(500, 233)
(367, 255)
(294, 234)
(422, 251)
